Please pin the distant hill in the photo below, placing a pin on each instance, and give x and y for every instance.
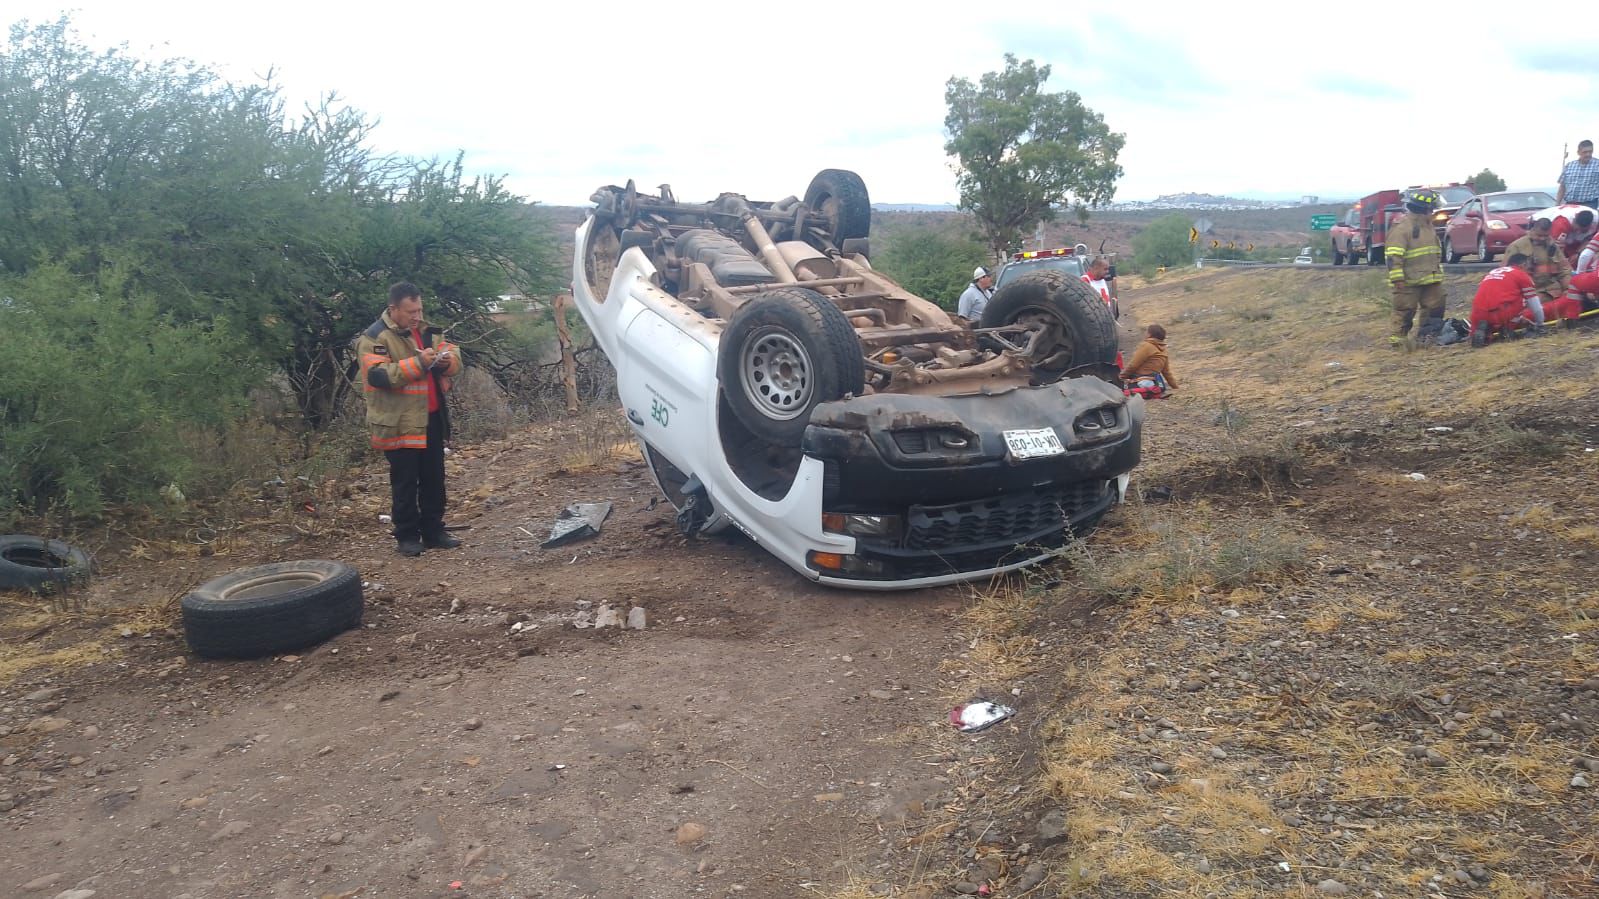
(1205, 201)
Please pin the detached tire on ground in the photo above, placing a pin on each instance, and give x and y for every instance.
(1080, 332)
(272, 608)
(784, 351)
(840, 196)
(35, 563)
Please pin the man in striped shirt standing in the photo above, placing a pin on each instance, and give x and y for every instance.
(1579, 180)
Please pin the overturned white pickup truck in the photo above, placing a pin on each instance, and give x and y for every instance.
(861, 434)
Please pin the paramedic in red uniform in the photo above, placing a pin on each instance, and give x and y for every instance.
(1501, 300)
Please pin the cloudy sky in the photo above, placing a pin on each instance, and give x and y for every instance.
(1247, 99)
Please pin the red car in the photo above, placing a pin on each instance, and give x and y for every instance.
(1489, 222)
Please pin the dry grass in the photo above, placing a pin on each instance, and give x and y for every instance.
(1179, 558)
(597, 437)
(17, 660)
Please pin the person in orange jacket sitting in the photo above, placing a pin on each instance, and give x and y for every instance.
(1150, 366)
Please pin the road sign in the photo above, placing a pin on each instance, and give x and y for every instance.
(1231, 246)
(1214, 244)
(1193, 235)
(1322, 222)
(1250, 248)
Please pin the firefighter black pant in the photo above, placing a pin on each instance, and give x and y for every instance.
(416, 477)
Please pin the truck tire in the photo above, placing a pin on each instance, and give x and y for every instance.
(1081, 332)
(35, 563)
(1338, 258)
(784, 351)
(839, 196)
(271, 608)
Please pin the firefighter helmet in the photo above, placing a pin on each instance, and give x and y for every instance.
(1419, 199)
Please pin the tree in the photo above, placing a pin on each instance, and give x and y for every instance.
(1022, 152)
(931, 264)
(1486, 181)
(207, 195)
(1164, 242)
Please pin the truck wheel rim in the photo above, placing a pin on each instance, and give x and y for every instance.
(777, 374)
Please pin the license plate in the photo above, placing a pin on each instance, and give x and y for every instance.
(1033, 443)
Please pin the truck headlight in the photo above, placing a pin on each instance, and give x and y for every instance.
(880, 526)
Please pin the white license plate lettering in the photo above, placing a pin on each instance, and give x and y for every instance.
(1033, 443)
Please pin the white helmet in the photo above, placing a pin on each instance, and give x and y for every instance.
(979, 272)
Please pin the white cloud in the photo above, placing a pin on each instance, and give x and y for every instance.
(715, 96)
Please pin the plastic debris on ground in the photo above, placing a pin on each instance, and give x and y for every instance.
(975, 716)
(1416, 476)
(578, 521)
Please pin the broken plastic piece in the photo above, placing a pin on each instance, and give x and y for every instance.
(975, 716)
(577, 522)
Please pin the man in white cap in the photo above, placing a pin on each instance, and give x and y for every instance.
(976, 295)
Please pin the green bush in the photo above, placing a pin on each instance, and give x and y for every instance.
(1163, 243)
(933, 265)
(105, 401)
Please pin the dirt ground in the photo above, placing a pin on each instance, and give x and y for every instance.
(1288, 667)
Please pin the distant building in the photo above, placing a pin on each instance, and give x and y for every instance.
(1308, 200)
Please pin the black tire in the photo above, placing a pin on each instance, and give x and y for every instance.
(35, 563)
(1483, 255)
(1084, 333)
(1338, 258)
(839, 196)
(271, 608)
(784, 351)
(1448, 247)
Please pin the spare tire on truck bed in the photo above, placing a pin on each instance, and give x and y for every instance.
(1081, 331)
(272, 608)
(783, 351)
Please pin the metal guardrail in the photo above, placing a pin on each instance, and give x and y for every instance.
(1452, 268)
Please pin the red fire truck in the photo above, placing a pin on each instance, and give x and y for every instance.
(1364, 231)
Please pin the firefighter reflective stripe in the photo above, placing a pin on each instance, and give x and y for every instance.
(1395, 275)
(1425, 250)
(1394, 251)
(404, 441)
(412, 368)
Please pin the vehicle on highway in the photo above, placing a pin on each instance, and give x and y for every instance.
(1304, 260)
(1363, 233)
(1487, 223)
(779, 384)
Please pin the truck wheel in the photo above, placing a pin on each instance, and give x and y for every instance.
(840, 197)
(784, 351)
(1079, 332)
(34, 563)
(1338, 258)
(271, 608)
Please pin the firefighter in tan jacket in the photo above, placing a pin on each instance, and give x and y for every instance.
(405, 375)
(1415, 270)
(1551, 273)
